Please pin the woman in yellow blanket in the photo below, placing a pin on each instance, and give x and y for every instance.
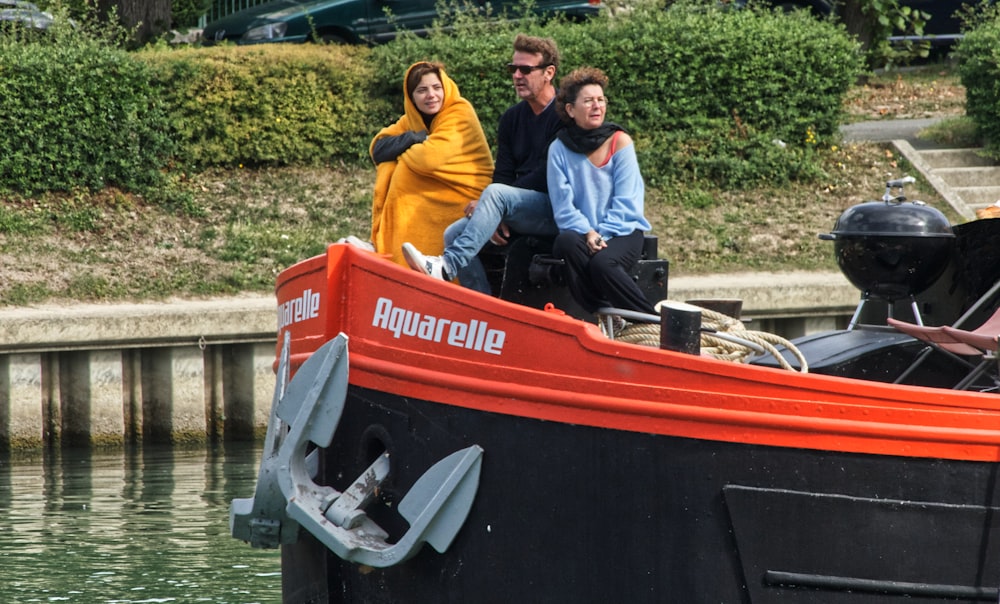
(430, 164)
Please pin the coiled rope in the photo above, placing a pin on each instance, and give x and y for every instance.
(648, 334)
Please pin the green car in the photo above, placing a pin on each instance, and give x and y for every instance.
(352, 21)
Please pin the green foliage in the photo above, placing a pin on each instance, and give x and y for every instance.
(24, 294)
(76, 20)
(85, 115)
(13, 222)
(708, 103)
(735, 96)
(705, 91)
(726, 153)
(80, 113)
(891, 17)
(267, 105)
(957, 132)
(979, 68)
(91, 287)
(474, 48)
(187, 12)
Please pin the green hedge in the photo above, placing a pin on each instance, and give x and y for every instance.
(268, 105)
(979, 69)
(732, 95)
(736, 96)
(78, 116)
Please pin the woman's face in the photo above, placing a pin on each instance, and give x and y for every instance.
(428, 96)
(589, 108)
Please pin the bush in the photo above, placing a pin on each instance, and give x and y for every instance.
(734, 96)
(268, 105)
(79, 114)
(979, 68)
(738, 96)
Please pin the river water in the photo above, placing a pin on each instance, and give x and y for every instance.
(137, 526)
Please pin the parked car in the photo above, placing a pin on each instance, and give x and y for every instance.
(19, 13)
(352, 21)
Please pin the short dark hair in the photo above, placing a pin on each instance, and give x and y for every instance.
(418, 71)
(538, 46)
(569, 87)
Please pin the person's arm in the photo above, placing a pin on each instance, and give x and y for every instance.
(388, 148)
(395, 129)
(562, 194)
(455, 138)
(626, 211)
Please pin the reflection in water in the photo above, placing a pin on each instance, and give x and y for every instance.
(150, 525)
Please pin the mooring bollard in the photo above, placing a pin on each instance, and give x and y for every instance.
(680, 327)
(731, 307)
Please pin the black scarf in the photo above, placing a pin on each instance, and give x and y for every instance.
(583, 141)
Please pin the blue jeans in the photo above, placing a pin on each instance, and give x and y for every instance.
(525, 211)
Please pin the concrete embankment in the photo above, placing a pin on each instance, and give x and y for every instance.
(199, 370)
(111, 374)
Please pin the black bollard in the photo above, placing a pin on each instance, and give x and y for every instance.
(680, 327)
(731, 307)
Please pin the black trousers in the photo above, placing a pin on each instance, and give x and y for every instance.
(603, 279)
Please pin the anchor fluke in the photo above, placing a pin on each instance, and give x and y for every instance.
(447, 491)
(307, 412)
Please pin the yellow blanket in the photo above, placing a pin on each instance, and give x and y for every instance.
(427, 187)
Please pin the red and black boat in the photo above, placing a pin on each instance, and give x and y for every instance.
(542, 461)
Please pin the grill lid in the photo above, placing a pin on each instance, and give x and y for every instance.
(891, 219)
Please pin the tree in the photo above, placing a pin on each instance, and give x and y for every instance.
(873, 21)
(148, 19)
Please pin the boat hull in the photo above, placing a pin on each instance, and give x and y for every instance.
(620, 473)
(569, 513)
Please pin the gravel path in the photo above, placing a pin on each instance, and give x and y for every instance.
(888, 130)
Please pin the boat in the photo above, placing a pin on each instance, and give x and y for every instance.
(433, 444)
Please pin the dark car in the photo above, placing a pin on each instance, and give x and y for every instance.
(352, 21)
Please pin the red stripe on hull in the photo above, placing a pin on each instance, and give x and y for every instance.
(416, 337)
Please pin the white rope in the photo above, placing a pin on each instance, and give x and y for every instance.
(648, 334)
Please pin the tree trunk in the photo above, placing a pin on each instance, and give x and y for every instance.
(858, 23)
(146, 18)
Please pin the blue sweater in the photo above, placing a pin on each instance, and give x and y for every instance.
(609, 199)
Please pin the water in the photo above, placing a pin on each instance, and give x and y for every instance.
(145, 526)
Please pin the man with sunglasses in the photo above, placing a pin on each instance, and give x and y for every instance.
(518, 199)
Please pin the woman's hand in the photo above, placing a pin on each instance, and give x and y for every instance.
(595, 242)
(470, 208)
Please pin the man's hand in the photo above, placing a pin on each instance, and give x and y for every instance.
(501, 235)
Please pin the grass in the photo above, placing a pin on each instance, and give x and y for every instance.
(928, 91)
(242, 227)
(956, 132)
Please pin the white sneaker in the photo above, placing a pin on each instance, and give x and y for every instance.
(428, 265)
(358, 242)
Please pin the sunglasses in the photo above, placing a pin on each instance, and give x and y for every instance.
(524, 69)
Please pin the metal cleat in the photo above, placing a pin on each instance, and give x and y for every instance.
(306, 412)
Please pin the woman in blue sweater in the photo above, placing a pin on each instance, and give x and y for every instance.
(597, 197)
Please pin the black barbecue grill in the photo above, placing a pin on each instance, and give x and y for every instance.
(892, 249)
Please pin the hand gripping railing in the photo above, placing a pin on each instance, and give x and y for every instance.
(307, 410)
